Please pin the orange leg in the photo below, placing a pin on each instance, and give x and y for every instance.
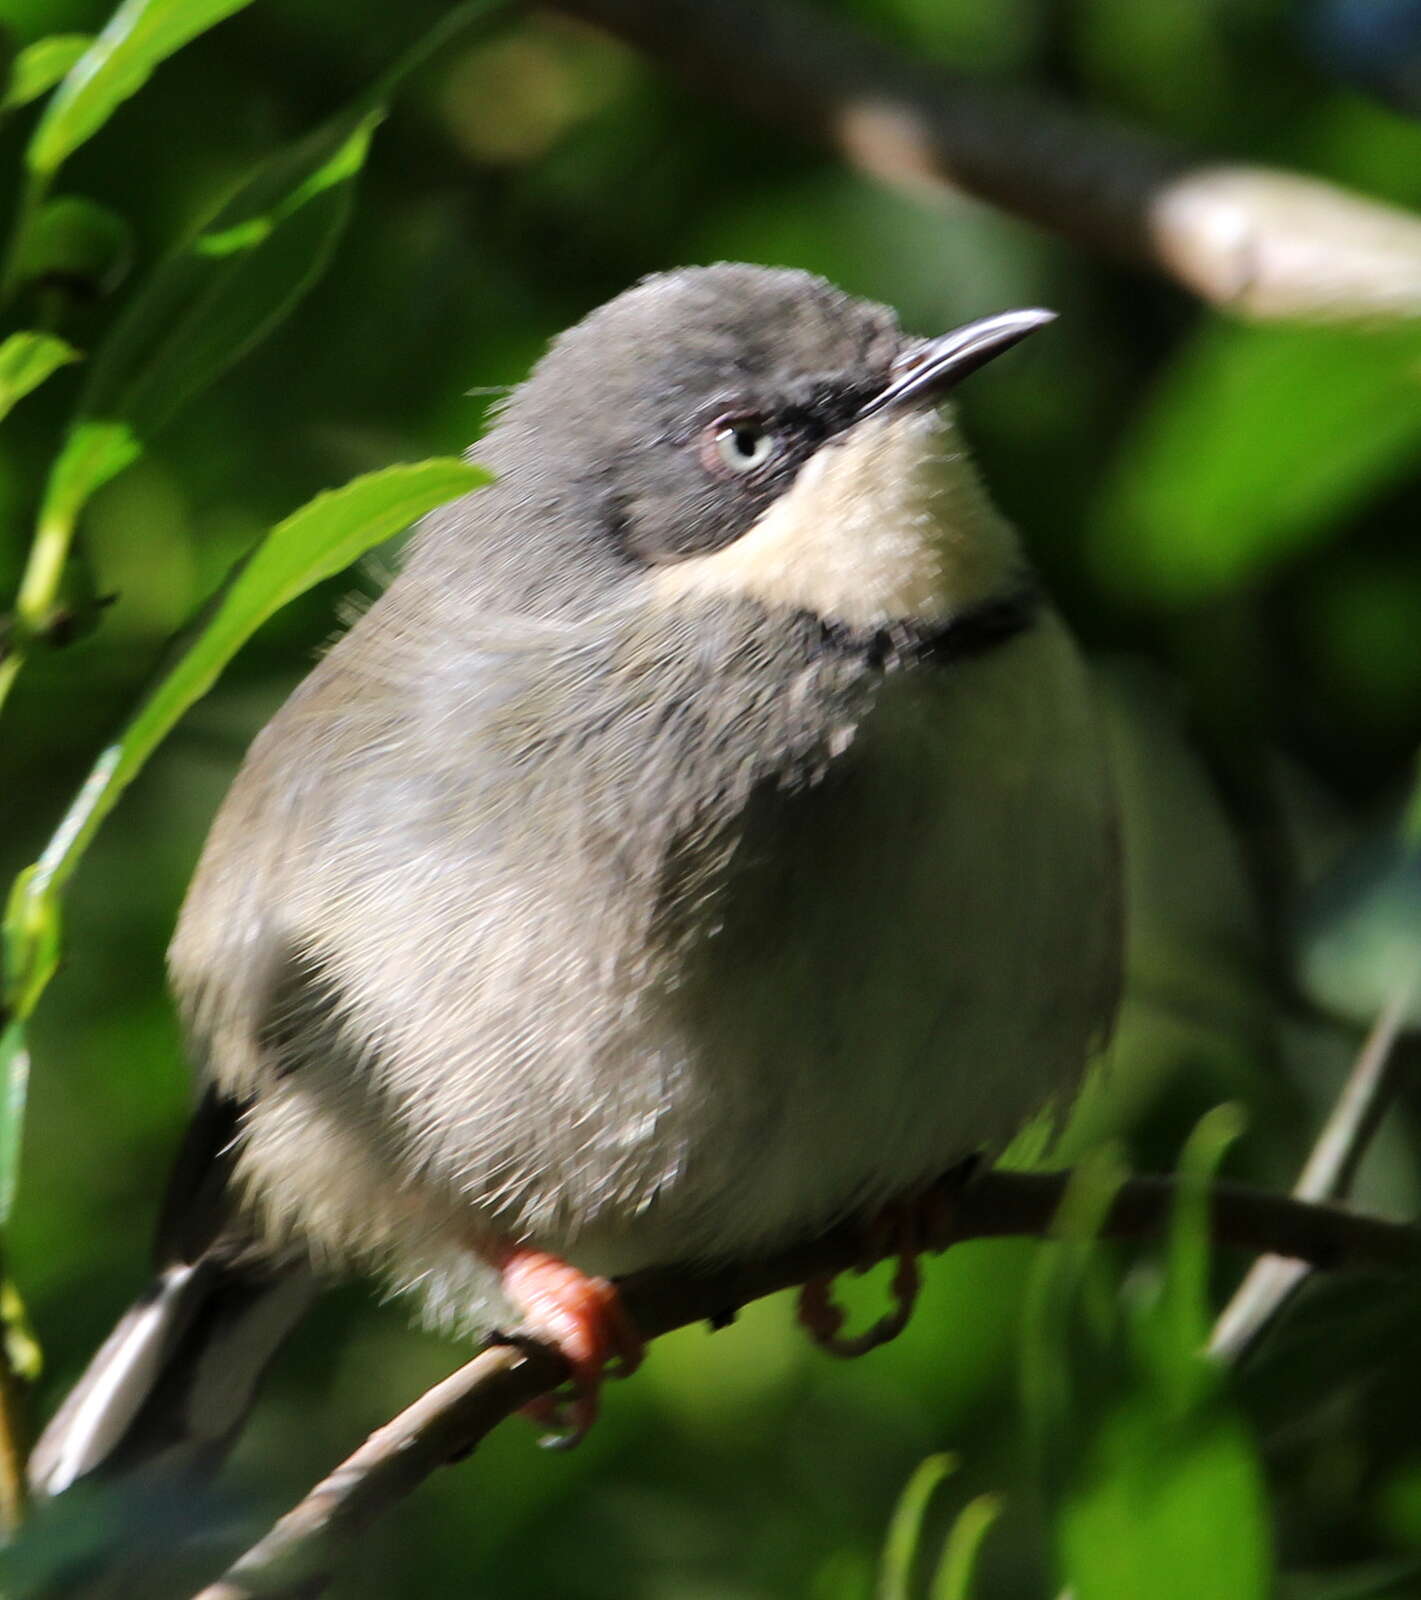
(583, 1319)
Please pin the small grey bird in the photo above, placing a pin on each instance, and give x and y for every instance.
(706, 837)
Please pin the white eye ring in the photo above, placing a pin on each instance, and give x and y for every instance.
(745, 446)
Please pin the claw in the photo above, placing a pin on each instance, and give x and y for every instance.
(824, 1319)
(907, 1226)
(583, 1319)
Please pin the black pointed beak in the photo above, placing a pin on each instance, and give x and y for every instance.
(927, 373)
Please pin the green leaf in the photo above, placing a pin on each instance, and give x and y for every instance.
(231, 282)
(224, 289)
(26, 360)
(953, 1579)
(139, 35)
(1175, 1511)
(93, 453)
(14, 1084)
(905, 1530)
(1257, 442)
(320, 540)
(241, 272)
(41, 65)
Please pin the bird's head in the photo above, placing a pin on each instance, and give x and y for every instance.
(754, 433)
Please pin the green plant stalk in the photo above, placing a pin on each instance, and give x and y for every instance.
(39, 591)
(43, 570)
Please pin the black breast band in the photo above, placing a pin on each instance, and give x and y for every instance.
(969, 634)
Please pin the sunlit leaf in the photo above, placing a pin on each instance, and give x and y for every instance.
(41, 65)
(314, 543)
(139, 35)
(26, 360)
(233, 280)
(93, 453)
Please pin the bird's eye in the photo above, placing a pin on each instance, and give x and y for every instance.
(736, 446)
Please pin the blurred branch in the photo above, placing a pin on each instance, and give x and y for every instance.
(1257, 241)
(14, 1444)
(294, 1561)
(1328, 1175)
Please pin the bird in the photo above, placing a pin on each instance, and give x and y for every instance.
(708, 836)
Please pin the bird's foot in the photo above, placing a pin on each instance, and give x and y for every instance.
(905, 1228)
(583, 1319)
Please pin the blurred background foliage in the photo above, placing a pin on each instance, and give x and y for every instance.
(1229, 516)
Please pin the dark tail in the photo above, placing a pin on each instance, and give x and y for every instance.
(173, 1382)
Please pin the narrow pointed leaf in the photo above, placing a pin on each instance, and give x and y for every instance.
(231, 283)
(93, 453)
(314, 543)
(139, 35)
(41, 65)
(905, 1531)
(26, 360)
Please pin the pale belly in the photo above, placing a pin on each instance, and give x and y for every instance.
(914, 961)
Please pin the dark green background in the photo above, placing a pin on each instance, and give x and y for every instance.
(1229, 516)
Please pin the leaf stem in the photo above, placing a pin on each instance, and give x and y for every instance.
(43, 571)
(39, 589)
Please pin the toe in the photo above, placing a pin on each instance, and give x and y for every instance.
(583, 1319)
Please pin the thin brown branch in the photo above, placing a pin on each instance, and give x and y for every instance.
(1328, 1174)
(1258, 241)
(294, 1561)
